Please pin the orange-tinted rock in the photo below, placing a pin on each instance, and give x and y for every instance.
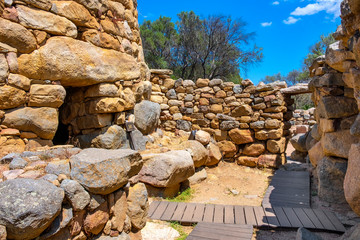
(241, 136)
(95, 221)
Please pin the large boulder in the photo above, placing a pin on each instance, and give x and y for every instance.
(91, 165)
(198, 152)
(214, 154)
(167, 169)
(331, 172)
(41, 121)
(352, 179)
(147, 116)
(83, 64)
(338, 143)
(27, 207)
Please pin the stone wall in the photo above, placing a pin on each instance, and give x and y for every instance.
(334, 148)
(87, 54)
(250, 123)
(61, 193)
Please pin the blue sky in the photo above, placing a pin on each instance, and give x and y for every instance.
(285, 29)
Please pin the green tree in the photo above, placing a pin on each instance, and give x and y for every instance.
(159, 39)
(213, 47)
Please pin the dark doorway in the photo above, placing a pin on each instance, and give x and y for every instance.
(62, 134)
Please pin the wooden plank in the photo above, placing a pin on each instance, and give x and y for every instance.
(160, 210)
(293, 219)
(229, 217)
(304, 219)
(250, 216)
(210, 236)
(239, 215)
(199, 213)
(232, 230)
(219, 214)
(271, 217)
(324, 220)
(209, 213)
(188, 213)
(335, 221)
(260, 217)
(179, 212)
(310, 213)
(221, 231)
(153, 207)
(281, 217)
(169, 212)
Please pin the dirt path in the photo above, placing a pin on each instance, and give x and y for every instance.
(231, 184)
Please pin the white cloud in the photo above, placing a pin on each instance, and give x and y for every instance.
(330, 6)
(266, 24)
(291, 20)
(276, 3)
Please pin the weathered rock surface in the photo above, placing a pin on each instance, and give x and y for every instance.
(35, 202)
(167, 169)
(75, 12)
(41, 121)
(203, 137)
(17, 36)
(46, 95)
(137, 205)
(113, 137)
(214, 154)
(95, 220)
(336, 107)
(331, 172)
(316, 153)
(299, 142)
(46, 21)
(198, 152)
(83, 65)
(147, 115)
(241, 136)
(11, 97)
(91, 165)
(337, 143)
(76, 194)
(352, 179)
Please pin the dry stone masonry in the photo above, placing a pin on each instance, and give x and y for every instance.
(72, 66)
(249, 123)
(69, 193)
(333, 143)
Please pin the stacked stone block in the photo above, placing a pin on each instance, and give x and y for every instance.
(335, 86)
(49, 49)
(247, 121)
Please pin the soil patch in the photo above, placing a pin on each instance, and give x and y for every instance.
(231, 184)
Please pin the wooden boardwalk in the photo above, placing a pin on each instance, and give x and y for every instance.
(288, 189)
(261, 217)
(216, 231)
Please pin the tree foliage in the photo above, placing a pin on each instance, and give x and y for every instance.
(213, 47)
